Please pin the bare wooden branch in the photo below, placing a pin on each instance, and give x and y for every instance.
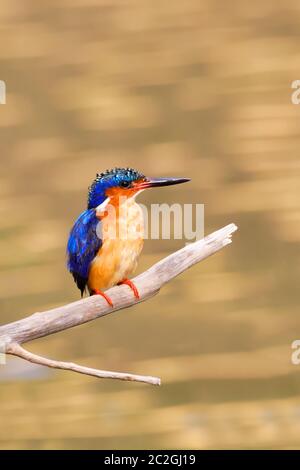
(19, 351)
(148, 283)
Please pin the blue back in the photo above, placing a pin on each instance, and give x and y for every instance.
(83, 245)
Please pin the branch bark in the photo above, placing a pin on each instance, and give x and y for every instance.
(38, 325)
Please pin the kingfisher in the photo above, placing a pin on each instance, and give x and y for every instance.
(107, 238)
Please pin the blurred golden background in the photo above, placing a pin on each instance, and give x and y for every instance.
(194, 88)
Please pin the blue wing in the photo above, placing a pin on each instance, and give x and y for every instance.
(83, 245)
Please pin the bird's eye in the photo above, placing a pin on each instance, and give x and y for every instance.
(125, 184)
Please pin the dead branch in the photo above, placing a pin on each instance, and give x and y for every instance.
(40, 324)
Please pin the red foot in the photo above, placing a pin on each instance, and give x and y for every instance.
(132, 286)
(108, 299)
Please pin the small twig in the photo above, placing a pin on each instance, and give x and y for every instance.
(148, 283)
(17, 350)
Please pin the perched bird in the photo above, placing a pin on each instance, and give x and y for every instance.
(107, 238)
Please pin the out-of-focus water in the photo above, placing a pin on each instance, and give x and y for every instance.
(196, 88)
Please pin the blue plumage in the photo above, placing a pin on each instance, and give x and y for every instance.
(83, 245)
(110, 179)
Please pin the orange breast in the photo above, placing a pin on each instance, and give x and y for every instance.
(122, 236)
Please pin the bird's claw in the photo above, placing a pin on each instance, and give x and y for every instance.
(132, 286)
(105, 296)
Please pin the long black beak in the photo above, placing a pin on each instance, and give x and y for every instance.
(156, 182)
